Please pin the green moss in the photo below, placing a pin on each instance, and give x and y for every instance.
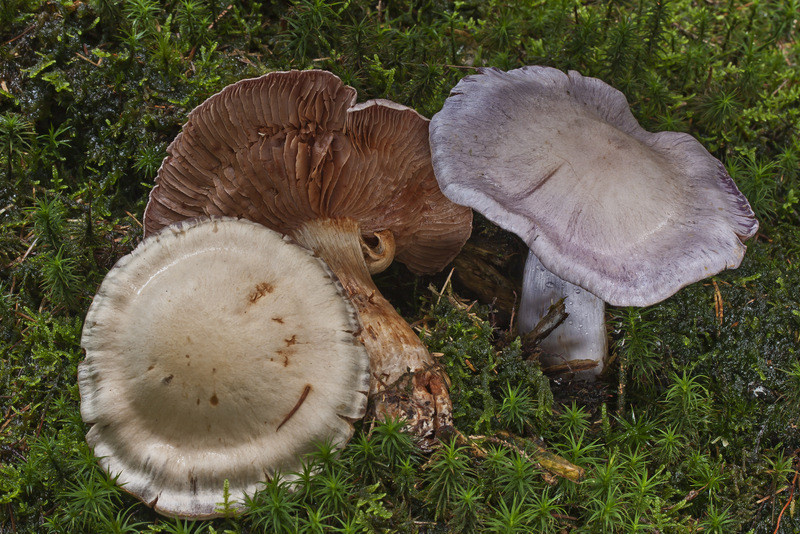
(705, 431)
(480, 372)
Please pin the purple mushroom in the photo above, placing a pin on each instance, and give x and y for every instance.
(611, 213)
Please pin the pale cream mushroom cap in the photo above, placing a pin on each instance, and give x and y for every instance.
(217, 350)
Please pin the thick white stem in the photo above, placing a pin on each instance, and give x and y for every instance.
(582, 336)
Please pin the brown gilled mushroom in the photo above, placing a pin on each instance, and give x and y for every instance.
(354, 183)
(611, 212)
(217, 350)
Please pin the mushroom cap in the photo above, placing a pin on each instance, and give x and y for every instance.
(217, 350)
(289, 147)
(559, 159)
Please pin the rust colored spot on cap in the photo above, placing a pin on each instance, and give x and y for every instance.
(261, 289)
(213, 400)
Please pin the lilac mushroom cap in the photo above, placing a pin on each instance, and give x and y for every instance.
(606, 206)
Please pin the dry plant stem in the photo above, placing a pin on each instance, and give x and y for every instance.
(791, 496)
(405, 380)
(549, 461)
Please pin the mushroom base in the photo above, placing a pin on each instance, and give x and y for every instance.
(405, 381)
(582, 336)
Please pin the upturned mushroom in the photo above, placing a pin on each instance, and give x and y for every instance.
(217, 350)
(354, 183)
(610, 212)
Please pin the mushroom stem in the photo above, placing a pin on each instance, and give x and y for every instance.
(582, 336)
(405, 381)
(379, 257)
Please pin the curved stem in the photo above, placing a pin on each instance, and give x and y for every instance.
(405, 380)
(378, 258)
(582, 336)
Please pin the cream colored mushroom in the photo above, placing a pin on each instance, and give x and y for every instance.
(217, 350)
(292, 151)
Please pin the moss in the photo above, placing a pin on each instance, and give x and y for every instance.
(705, 431)
(480, 371)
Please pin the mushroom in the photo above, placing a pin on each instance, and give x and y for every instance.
(610, 212)
(217, 351)
(354, 183)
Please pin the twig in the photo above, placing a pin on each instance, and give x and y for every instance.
(549, 479)
(10, 417)
(552, 463)
(770, 497)
(129, 214)
(45, 407)
(300, 401)
(8, 420)
(23, 34)
(569, 366)
(11, 515)
(446, 283)
(555, 315)
(718, 309)
(24, 316)
(781, 86)
(224, 12)
(689, 497)
(30, 248)
(95, 63)
(791, 497)
(446, 65)
(513, 312)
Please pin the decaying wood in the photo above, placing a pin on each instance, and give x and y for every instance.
(475, 269)
(571, 366)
